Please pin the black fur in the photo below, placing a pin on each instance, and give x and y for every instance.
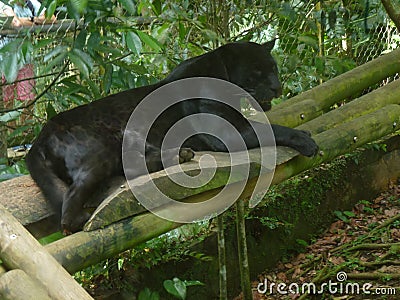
(81, 148)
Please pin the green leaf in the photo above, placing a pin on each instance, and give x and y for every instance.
(18, 131)
(182, 31)
(51, 238)
(80, 40)
(55, 52)
(133, 42)
(349, 214)
(94, 87)
(176, 287)
(85, 57)
(301, 242)
(79, 63)
(79, 5)
(129, 5)
(10, 116)
(51, 8)
(26, 50)
(10, 65)
(93, 40)
(72, 10)
(147, 294)
(149, 41)
(56, 61)
(341, 216)
(157, 7)
(107, 49)
(308, 40)
(43, 43)
(107, 78)
(51, 112)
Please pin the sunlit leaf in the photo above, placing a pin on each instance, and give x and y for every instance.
(51, 8)
(58, 60)
(77, 60)
(129, 5)
(133, 42)
(149, 41)
(55, 52)
(10, 65)
(10, 116)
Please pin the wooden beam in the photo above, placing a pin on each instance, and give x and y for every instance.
(20, 250)
(85, 248)
(17, 285)
(344, 86)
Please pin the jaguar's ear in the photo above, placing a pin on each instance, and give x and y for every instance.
(269, 45)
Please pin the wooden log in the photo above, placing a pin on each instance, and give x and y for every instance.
(122, 204)
(388, 94)
(17, 285)
(344, 138)
(339, 88)
(293, 115)
(20, 250)
(84, 249)
(312, 112)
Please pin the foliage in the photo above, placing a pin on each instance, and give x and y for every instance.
(15, 170)
(177, 287)
(147, 294)
(122, 44)
(174, 287)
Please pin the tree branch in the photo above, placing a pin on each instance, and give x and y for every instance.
(393, 11)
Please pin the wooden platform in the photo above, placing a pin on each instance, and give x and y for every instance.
(24, 200)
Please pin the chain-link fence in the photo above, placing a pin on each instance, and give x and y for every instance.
(52, 67)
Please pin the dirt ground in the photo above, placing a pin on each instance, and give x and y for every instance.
(358, 257)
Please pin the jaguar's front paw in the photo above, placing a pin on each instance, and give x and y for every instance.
(305, 144)
(185, 155)
(73, 224)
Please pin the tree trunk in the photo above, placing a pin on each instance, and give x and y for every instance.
(223, 290)
(242, 250)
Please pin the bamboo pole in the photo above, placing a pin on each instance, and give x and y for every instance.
(343, 139)
(345, 85)
(20, 250)
(242, 250)
(223, 286)
(389, 94)
(86, 248)
(17, 285)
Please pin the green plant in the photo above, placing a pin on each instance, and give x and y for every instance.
(177, 287)
(147, 294)
(344, 216)
(15, 170)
